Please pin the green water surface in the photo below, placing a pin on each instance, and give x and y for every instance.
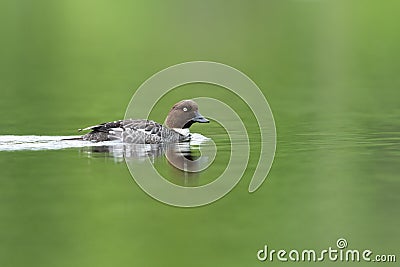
(330, 72)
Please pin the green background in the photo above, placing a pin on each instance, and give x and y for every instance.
(330, 72)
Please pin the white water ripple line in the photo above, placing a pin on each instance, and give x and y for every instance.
(40, 142)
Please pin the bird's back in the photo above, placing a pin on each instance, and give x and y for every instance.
(137, 131)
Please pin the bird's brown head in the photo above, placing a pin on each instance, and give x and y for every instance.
(183, 114)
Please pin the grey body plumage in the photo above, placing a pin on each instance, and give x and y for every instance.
(143, 131)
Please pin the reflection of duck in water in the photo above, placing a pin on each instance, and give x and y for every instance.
(175, 152)
(141, 131)
(181, 162)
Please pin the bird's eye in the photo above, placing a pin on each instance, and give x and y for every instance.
(185, 109)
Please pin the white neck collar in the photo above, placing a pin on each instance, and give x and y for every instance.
(184, 132)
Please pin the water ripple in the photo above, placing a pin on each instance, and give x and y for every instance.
(38, 142)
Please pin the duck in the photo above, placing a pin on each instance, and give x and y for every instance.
(143, 131)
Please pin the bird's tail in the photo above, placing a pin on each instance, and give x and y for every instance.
(73, 138)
